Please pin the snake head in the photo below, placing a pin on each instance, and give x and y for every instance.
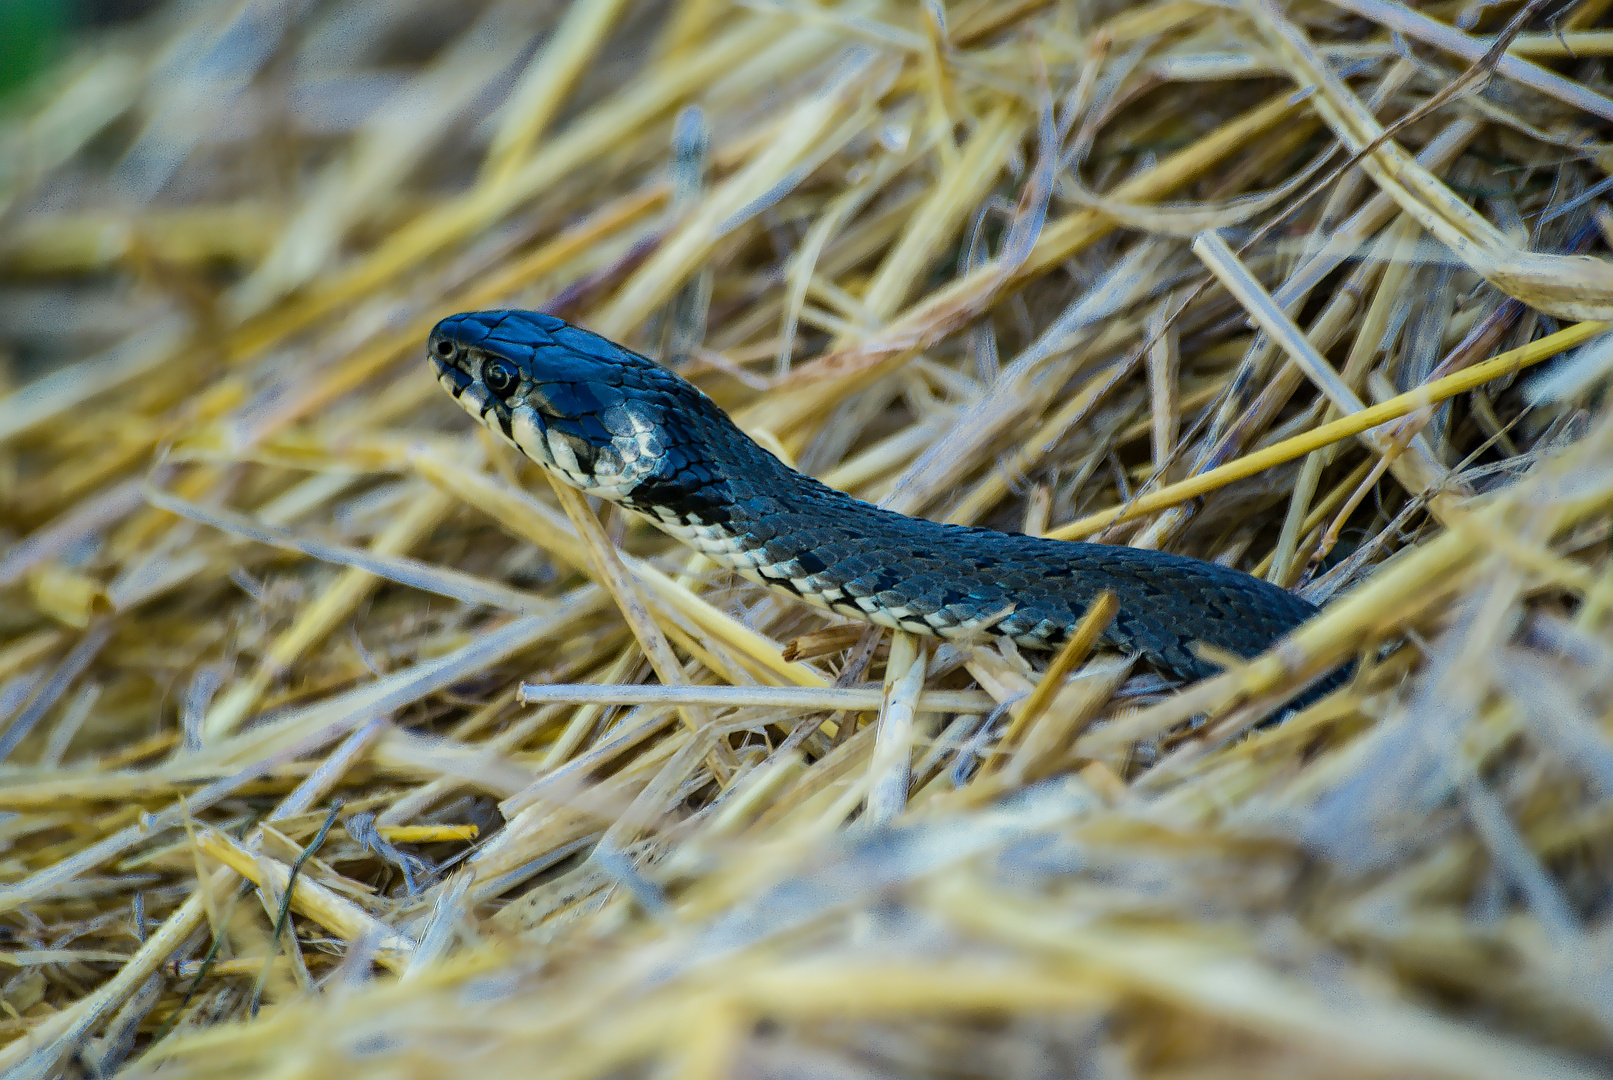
(562, 396)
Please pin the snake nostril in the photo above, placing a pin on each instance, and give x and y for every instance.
(443, 348)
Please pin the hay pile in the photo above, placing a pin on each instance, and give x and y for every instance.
(333, 746)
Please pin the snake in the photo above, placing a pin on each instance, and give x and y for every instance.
(617, 425)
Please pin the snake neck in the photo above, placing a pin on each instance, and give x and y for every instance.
(735, 502)
(724, 495)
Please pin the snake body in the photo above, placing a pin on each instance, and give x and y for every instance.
(617, 425)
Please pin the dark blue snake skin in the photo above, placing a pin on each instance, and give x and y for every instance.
(692, 465)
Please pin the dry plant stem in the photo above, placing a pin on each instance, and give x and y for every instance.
(60, 1033)
(89, 241)
(804, 263)
(928, 321)
(544, 84)
(342, 917)
(784, 697)
(388, 348)
(583, 140)
(1397, 244)
(1278, 567)
(994, 487)
(428, 834)
(71, 667)
(329, 611)
(49, 398)
(1258, 415)
(1273, 1007)
(608, 570)
(1421, 472)
(1565, 286)
(1401, 19)
(333, 717)
(26, 651)
(689, 24)
(568, 784)
(1319, 512)
(373, 562)
(798, 135)
(891, 762)
(322, 780)
(520, 513)
(1384, 462)
(1048, 360)
(388, 145)
(618, 673)
(1163, 367)
(1046, 750)
(651, 803)
(428, 795)
(1072, 653)
(1264, 312)
(87, 859)
(942, 215)
(1327, 434)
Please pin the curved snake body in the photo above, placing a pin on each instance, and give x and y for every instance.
(617, 425)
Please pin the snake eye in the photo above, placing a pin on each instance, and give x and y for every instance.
(499, 377)
(444, 348)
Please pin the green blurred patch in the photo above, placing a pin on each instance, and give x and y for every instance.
(32, 36)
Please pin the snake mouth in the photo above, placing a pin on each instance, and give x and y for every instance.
(453, 379)
(473, 396)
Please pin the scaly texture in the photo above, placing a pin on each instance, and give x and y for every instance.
(618, 425)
